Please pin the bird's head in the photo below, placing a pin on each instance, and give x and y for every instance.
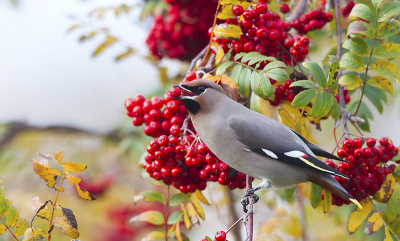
(198, 94)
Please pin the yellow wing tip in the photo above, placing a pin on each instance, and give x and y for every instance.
(356, 203)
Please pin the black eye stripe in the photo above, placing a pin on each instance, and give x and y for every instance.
(197, 90)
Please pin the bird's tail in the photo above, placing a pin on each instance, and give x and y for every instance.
(328, 182)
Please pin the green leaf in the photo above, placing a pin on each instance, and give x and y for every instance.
(376, 3)
(278, 74)
(221, 69)
(12, 217)
(333, 69)
(365, 111)
(357, 46)
(360, 27)
(150, 196)
(327, 202)
(266, 86)
(388, 28)
(387, 51)
(3, 228)
(244, 82)
(290, 191)
(175, 217)
(228, 55)
(317, 72)
(385, 68)
(328, 101)
(381, 83)
(362, 11)
(21, 227)
(236, 73)
(352, 62)
(274, 64)
(303, 83)
(153, 217)
(239, 55)
(5, 206)
(393, 210)
(388, 10)
(258, 59)
(315, 195)
(351, 81)
(256, 86)
(375, 97)
(179, 198)
(337, 110)
(249, 56)
(318, 105)
(303, 98)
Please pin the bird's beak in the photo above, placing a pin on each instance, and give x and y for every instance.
(186, 92)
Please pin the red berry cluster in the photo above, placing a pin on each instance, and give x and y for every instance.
(181, 33)
(157, 121)
(177, 156)
(347, 8)
(264, 31)
(284, 91)
(346, 97)
(366, 167)
(311, 20)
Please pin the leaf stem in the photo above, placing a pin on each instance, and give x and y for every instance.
(9, 229)
(55, 203)
(166, 214)
(365, 77)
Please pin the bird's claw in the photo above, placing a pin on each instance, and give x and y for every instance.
(245, 199)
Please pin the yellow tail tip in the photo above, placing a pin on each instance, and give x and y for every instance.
(356, 203)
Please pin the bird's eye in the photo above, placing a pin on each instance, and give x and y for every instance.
(201, 89)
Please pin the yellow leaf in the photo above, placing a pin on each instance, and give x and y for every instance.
(35, 205)
(196, 205)
(84, 194)
(42, 170)
(178, 232)
(292, 227)
(387, 188)
(171, 229)
(126, 54)
(287, 119)
(381, 83)
(327, 202)
(227, 31)
(201, 197)
(2, 228)
(73, 167)
(225, 12)
(5, 206)
(73, 180)
(34, 234)
(155, 235)
(235, 2)
(59, 156)
(358, 216)
(374, 223)
(12, 217)
(192, 214)
(163, 74)
(107, 43)
(21, 227)
(65, 227)
(388, 236)
(153, 217)
(220, 52)
(294, 111)
(186, 219)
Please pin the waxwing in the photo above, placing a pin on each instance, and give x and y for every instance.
(255, 144)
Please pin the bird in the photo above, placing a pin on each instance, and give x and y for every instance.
(255, 144)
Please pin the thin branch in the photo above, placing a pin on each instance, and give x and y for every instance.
(234, 224)
(9, 229)
(249, 228)
(198, 56)
(54, 204)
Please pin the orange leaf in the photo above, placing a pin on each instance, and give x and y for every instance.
(59, 156)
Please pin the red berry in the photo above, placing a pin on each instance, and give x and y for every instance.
(284, 8)
(129, 104)
(166, 172)
(176, 172)
(359, 152)
(248, 15)
(137, 121)
(191, 76)
(274, 35)
(139, 99)
(305, 41)
(371, 142)
(248, 46)
(261, 8)
(342, 153)
(220, 236)
(357, 142)
(384, 141)
(156, 102)
(237, 10)
(262, 33)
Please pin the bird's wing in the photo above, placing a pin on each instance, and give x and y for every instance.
(318, 150)
(272, 139)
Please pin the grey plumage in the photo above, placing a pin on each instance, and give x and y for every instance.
(256, 144)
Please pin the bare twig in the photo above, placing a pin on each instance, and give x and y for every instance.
(198, 56)
(299, 9)
(249, 228)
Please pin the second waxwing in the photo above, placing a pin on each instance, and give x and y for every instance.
(255, 144)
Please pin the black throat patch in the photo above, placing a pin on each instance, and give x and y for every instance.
(191, 105)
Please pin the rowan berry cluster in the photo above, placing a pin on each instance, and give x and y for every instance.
(345, 11)
(181, 33)
(345, 95)
(311, 20)
(366, 167)
(177, 156)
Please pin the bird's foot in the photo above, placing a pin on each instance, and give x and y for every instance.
(246, 198)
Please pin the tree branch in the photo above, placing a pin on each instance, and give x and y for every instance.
(249, 228)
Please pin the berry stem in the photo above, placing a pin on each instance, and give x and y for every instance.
(166, 213)
(198, 56)
(365, 77)
(233, 225)
(8, 229)
(54, 204)
(211, 36)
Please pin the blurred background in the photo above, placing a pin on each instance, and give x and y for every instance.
(61, 91)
